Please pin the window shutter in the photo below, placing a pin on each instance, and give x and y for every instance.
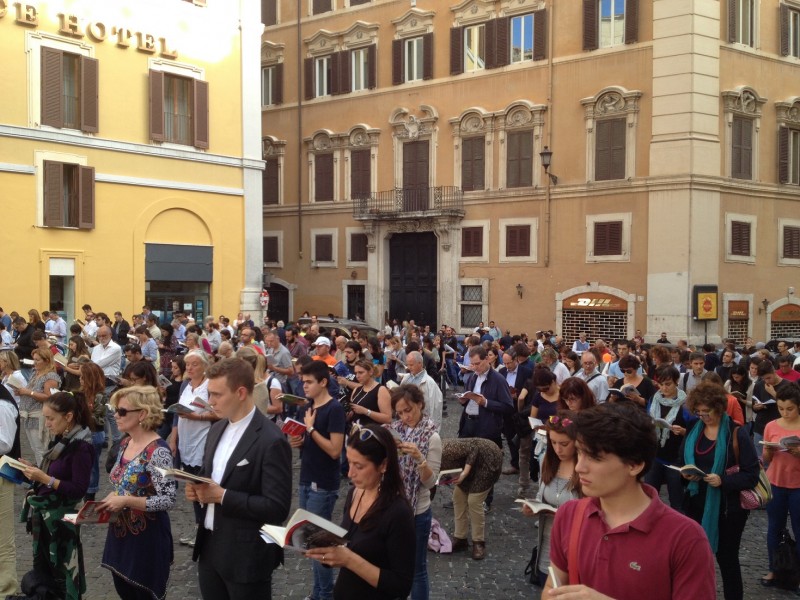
(610, 149)
(321, 6)
(742, 148)
(323, 177)
(490, 35)
(323, 248)
(89, 93)
(600, 240)
(526, 159)
(345, 70)
(590, 24)
(270, 249)
(540, 34)
(269, 12)
(631, 21)
(740, 238)
(502, 52)
(427, 56)
(456, 50)
(518, 240)
(618, 127)
(277, 84)
(397, 62)
(736, 147)
(358, 247)
(783, 154)
(512, 160)
(157, 106)
(784, 30)
(608, 238)
(53, 208)
(360, 180)
(52, 76)
(472, 164)
(200, 113)
(733, 10)
(791, 242)
(86, 197)
(335, 73)
(471, 242)
(270, 183)
(308, 68)
(372, 67)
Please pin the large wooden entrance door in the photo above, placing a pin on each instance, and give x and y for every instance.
(412, 277)
(415, 176)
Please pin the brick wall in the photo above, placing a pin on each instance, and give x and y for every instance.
(737, 330)
(790, 329)
(597, 324)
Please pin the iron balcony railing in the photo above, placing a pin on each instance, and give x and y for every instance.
(409, 203)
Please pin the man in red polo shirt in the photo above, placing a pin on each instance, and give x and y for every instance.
(629, 545)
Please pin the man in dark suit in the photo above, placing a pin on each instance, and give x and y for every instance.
(250, 461)
(515, 374)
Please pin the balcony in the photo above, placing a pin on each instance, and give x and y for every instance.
(410, 204)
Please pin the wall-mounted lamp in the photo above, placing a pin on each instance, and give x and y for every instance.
(765, 304)
(519, 290)
(547, 157)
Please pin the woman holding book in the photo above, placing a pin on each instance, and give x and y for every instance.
(11, 373)
(644, 386)
(370, 402)
(77, 354)
(716, 446)
(59, 486)
(783, 472)
(93, 390)
(558, 483)
(138, 549)
(167, 349)
(378, 561)
(575, 395)
(32, 398)
(741, 386)
(420, 457)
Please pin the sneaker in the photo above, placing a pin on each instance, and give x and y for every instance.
(187, 539)
(487, 508)
(522, 492)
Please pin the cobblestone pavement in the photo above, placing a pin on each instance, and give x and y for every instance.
(509, 539)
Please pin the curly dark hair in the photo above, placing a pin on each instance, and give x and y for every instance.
(708, 394)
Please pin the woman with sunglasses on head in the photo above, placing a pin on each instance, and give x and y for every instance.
(371, 402)
(77, 354)
(58, 487)
(645, 387)
(138, 549)
(725, 453)
(558, 483)
(420, 456)
(32, 398)
(378, 561)
(575, 395)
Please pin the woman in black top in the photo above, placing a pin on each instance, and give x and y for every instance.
(645, 388)
(378, 561)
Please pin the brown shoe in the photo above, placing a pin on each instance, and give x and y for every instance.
(511, 471)
(478, 550)
(460, 544)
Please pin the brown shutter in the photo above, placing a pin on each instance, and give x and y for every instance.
(86, 197)
(740, 238)
(783, 154)
(53, 194)
(427, 56)
(791, 242)
(519, 155)
(157, 106)
(471, 242)
(321, 6)
(270, 249)
(334, 71)
(270, 183)
(358, 247)
(518, 240)
(590, 24)
(733, 6)
(467, 167)
(602, 151)
(323, 177)
(490, 41)
(323, 248)
(784, 30)
(736, 148)
(277, 84)
(200, 113)
(456, 50)
(269, 12)
(512, 160)
(345, 70)
(308, 68)
(742, 148)
(747, 148)
(540, 34)
(372, 67)
(52, 99)
(397, 62)
(360, 180)
(600, 240)
(502, 52)
(607, 238)
(89, 94)
(618, 127)
(631, 21)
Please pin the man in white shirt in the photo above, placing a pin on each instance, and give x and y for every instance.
(58, 327)
(90, 328)
(416, 375)
(580, 345)
(593, 378)
(107, 355)
(559, 369)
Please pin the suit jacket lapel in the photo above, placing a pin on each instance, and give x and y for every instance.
(249, 438)
(211, 447)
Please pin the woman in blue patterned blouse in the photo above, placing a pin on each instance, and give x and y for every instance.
(138, 549)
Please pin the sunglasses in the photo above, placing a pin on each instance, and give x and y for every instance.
(124, 411)
(364, 433)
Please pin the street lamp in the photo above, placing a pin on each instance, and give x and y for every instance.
(547, 157)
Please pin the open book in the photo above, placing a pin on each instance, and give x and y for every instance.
(448, 476)
(688, 470)
(293, 400)
(662, 423)
(60, 359)
(765, 402)
(537, 507)
(179, 409)
(183, 476)
(11, 470)
(790, 441)
(534, 422)
(88, 515)
(304, 531)
(198, 402)
(293, 427)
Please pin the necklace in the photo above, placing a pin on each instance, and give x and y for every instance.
(707, 450)
(361, 395)
(561, 490)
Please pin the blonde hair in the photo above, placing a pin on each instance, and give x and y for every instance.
(11, 359)
(47, 357)
(257, 361)
(144, 397)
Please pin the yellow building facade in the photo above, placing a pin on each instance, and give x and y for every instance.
(405, 143)
(130, 160)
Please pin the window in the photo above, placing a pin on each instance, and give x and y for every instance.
(789, 155)
(522, 38)
(742, 22)
(322, 76)
(270, 182)
(791, 242)
(472, 303)
(742, 148)
(518, 239)
(271, 250)
(610, 149)
(323, 177)
(360, 174)
(474, 48)
(608, 237)
(272, 85)
(358, 247)
(608, 23)
(414, 56)
(321, 6)
(359, 68)
(473, 168)
(69, 90)
(790, 31)
(269, 12)
(68, 195)
(357, 2)
(519, 159)
(178, 109)
(740, 238)
(471, 242)
(412, 59)
(324, 247)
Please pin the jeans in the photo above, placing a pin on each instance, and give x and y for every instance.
(319, 502)
(757, 437)
(111, 426)
(660, 474)
(98, 437)
(785, 501)
(420, 589)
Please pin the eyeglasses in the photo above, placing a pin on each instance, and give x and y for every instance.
(702, 413)
(124, 411)
(364, 433)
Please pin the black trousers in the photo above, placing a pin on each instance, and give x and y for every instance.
(214, 587)
(510, 433)
(731, 527)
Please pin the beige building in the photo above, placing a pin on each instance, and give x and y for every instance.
(405, 143)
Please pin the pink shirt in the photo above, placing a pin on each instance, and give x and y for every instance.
(784, 469)
(660, 555)
(792, 375)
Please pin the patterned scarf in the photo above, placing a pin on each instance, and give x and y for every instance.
(77, 433)
(421, 437)
(674, 405)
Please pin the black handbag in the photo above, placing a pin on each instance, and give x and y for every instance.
(531, 574)
(785, 563)
(521, 423)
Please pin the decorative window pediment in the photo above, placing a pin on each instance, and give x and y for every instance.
(788, 112)
(271, 53)
(322, 42)
(522, 113)
(518, 7)
(611, 102)
(361, 136)
(473, 11)
(272, 146)
(408, 126)
(743, 101)
(322, 140)
(414, 22)
(360, 34)
(472, 121)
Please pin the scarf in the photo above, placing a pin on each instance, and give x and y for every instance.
(77, 433)
(421, 437)
(674, 405)
(713, 501)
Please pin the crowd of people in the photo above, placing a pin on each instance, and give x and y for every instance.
(592, 431)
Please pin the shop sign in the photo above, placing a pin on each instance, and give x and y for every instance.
(595, 301)
(788, 313)
(738, 310)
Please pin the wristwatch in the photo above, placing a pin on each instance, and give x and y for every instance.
(311, 430)
(369, 412)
